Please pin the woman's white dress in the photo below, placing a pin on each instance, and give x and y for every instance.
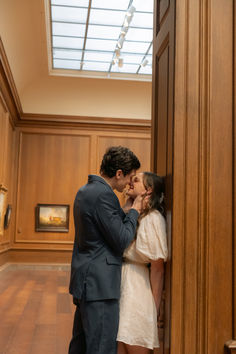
(138, 315)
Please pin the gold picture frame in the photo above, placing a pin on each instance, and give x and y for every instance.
(52, 218)
(3, 205)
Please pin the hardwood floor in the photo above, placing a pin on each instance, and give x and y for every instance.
(36, 311)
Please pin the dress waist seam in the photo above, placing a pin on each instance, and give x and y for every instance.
(128, 261)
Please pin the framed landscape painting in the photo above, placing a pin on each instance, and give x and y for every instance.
(3, 204)
(52, 218)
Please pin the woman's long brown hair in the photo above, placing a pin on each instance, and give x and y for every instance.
(157, 200)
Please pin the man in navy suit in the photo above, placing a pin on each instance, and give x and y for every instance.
(102, 232)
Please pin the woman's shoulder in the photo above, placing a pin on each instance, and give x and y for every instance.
(151, 236)
(153, 216)
(154, 220)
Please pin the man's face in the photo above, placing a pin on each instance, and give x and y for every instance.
(136, 187)
(122, 181)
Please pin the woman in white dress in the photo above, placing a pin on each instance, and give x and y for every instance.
(143, 270)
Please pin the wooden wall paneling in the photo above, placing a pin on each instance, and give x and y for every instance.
(4, 257)
(52, 168)
(55, 163)
(8, 175)
(3, 141)
(185, 274)
(204, 60)
(93, 154)
(2, 113)
(191, 197)
(202, 231)
(234, 178)
(164, 5)
(139, 144)
(187, 164)
(7, 87)
(220, 176)
(7, 153)
(46, 255)
(162, 109)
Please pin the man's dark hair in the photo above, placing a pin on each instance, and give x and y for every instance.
(118, 158)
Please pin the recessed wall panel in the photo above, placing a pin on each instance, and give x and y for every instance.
(52, 167)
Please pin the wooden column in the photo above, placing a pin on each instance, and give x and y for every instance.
(162, 135)
(203, 244)
(202, 229)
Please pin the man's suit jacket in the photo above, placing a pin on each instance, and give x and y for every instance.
(102, 232)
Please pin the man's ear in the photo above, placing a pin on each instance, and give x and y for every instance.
(119, 174)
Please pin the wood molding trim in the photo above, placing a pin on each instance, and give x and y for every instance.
(4, 248)
(4, 257)
(8, 87)
(38, 241)
(39, 256)
(83, 122)
(41, 246)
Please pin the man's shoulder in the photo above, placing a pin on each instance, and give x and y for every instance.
(96, 183)
(95, 188)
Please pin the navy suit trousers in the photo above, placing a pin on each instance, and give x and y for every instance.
(95, 327)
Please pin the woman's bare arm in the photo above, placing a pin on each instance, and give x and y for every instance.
(156, 279)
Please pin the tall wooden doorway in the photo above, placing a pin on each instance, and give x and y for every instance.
(162, 134)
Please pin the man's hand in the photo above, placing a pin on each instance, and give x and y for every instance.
(140, 202)
(128, 205)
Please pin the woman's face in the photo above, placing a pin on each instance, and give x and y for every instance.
(136, 186)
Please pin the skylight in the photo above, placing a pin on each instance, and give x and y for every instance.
(106, 38)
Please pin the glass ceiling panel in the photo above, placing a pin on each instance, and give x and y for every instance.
(69, 14)
(150, 50)
(100, 45)
(143, 5)
(103, 32)
(89, 39)
(142, 20)
(67, 42)
(138, 34)
(66, 64)
(106, 17)
(67, 54)
(133, 59)
(96, 66)
(126, 68)
(146, 70)
(68, 29)
(135, 47)
(84, 3)
(111, 4)
(149, 58)
(98, 56)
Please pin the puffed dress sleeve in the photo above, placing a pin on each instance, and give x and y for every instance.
(151, 239)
